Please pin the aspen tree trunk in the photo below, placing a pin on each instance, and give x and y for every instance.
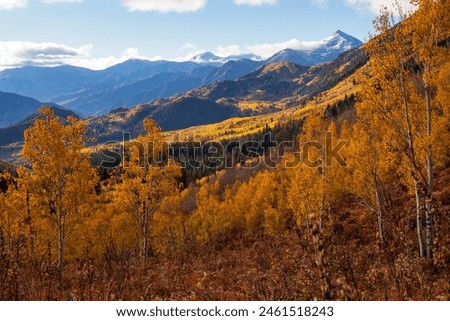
(412, 155)
(379, 214)
(144, 234)
(30, 225)
(9, 240)
(429, 200)
(378, 202)
(419, 219)
(60, 248)
(61, 228)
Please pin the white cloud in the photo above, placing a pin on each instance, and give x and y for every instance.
(374, 6)
(165, 6)
(268, 49)
(264, 50)
(187, 51)
(61, 1)
(15, 4)
(19, 53)
(105, 62)
(229, 50)
(12, 4)
(255, 2)
(16, 53)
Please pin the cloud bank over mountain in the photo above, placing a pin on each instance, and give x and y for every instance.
(23, 53)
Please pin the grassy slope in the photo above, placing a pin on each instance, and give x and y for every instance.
(236, 128)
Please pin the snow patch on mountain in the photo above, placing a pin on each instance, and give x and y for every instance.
(306, 53)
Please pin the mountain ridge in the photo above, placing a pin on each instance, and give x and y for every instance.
(15, 108)
(93, 92)
(313, 52)
(325, 50)
(271, 88)
(279, 86)
(15, 133)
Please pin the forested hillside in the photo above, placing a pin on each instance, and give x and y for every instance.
(355, 207)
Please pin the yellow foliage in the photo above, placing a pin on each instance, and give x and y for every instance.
(144, 184)
(61, 183)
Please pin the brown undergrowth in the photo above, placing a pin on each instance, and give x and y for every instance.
(341, 260)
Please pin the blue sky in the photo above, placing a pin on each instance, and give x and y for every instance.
(99, 33)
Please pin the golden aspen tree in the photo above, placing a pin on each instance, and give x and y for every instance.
(405, 61)
(246, 204)
(390, 93)
(315, 183)
(208, 220)
(307, 197)
(61, 181)
(19, 219)
(251, 200)
(309, 194)
(274, 190)
(145, 181)
(367, 158)
(225, 208)
(440, 141)
(429, 27)
(260, 203)
(169, 225)
(8, 216)
(233, 217)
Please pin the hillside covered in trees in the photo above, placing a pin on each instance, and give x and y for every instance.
(356, 208)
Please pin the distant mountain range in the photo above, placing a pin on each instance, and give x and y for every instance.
(177, 95)
(272, 87)
(313, 54)
(278, 83)
(15, 108)
(282, 80)
(88, 92)
(14, 133)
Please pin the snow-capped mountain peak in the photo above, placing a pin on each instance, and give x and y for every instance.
(207, 58)
(341, 41)
(318, 52)
(304, 53)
